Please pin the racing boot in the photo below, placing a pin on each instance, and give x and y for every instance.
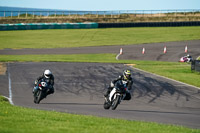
(107, 96)
(35, 89)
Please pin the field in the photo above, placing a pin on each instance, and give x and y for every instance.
(19, 119)
(95, 37)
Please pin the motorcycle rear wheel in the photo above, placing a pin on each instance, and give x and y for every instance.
(106, 105)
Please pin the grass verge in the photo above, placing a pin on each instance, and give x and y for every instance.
(175, 70)
(95, 37)
(23, 120)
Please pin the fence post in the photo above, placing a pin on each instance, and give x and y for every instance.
(142, 13)
(26, 14)
(11, 14)
(4, 14)
(193, 14)
(160, 15)
(175, 13)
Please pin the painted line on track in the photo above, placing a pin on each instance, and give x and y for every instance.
(166, 78)
(10, 88)
(118, 56)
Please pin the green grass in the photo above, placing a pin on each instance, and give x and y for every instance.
(175, 70)
(95, 37)
(19, 119)
(178, 71)
(25, 120)
(60, 58)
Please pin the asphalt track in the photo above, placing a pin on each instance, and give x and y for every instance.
(79, 87)
(153, 51)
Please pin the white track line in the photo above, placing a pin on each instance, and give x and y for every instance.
(118, 56)
(167, 78)
(10, 88)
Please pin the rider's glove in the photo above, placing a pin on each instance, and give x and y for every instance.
(111, 84)
(36, 82)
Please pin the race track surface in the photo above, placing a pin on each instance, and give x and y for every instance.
(79, 88)
(153, 51)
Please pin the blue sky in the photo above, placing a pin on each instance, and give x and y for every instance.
(101, 5)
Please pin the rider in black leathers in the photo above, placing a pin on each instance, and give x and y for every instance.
(47, 76)
(125, 77)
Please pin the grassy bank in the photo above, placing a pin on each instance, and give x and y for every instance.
(23, 120)
(178, 71)
(95, 37)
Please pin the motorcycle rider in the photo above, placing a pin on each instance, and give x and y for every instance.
(48, 76)
(126, 77)
(187, 58)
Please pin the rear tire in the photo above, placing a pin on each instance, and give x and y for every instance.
(106, 105)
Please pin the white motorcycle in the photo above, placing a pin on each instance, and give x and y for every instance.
(115, 97)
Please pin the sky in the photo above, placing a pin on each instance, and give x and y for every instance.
(104, 5)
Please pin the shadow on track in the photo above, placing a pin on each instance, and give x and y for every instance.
(160, 112)
(75, 104)
(147, 86)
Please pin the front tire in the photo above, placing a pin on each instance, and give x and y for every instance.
(115, 102)
(38, 97)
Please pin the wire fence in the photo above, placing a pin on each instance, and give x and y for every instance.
(107, 16)
(140, 13)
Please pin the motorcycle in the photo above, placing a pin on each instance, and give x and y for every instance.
(41, 93)
(185, 59)
(115, 97)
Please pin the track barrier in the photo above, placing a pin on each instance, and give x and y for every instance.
(195, 65)
(120, 52)
(186, 49)
(165, 50)
(143, 51)
(36, 26)
(149, 24)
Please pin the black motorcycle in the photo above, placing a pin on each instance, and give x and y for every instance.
(117, 94)
(41, 93)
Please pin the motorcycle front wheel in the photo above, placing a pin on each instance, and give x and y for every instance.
(38, 97)
(115, 102)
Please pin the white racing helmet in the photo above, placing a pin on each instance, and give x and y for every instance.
(127, 74)
(47, 73)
